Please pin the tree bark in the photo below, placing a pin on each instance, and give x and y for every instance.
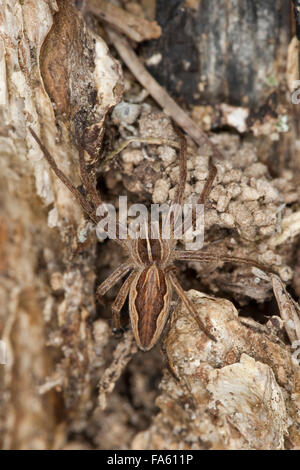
(59, 77)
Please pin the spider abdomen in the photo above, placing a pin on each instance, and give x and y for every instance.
(149, 305)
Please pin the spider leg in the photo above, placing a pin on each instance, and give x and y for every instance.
(182, 170)
(88, 180)
(111, 280)
(206, 190)
(182, 181)
(180, 292)
(65, 180)
(208, 184)
(190, 255)
(120, 300)
(173, 218)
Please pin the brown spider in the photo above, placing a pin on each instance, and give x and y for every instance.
(151, 260)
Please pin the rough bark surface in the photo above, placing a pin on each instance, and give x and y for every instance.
(201, 58)
(68, 383)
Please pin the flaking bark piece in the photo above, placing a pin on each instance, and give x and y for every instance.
(123, 353)
(289, 309)
(135, 27)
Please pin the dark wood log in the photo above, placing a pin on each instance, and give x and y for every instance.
(213, 50)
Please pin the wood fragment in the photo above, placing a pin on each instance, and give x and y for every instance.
(292, 66)
(160, 95)
(290, 229)
(297, 16)
(289, 309)
(123, 353)
(136, 28)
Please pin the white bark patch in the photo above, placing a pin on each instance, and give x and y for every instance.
(290, 228)
(3, 84)
(107, 75)
(248, 396)
(235, 116)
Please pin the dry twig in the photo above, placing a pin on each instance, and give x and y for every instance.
(160, 95)
(136, 28)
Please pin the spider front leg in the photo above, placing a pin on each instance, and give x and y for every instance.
(106, 285)
(205, 257)
(109, 282)
(180, 292)
(86, 206)
(183, 175)
(120, 300)
(89, 184)
(179, 197)
(182, 170)
(208, 183)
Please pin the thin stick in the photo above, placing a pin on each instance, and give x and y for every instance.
(159, 94)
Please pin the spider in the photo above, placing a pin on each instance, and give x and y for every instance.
(150, 262)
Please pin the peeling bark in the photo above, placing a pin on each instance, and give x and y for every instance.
(60, 79)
